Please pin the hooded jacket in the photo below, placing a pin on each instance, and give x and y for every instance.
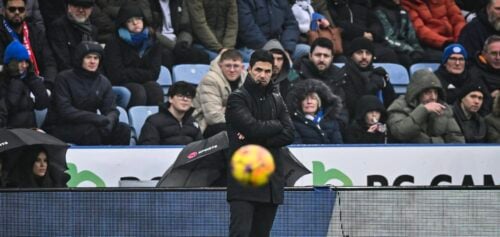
(436, 22)
(281, 80)
(487, 76)
(476, 32)
(357, 132)
(410, 122)
(163, 128)
(473, 128)
(493, 122)
(328, 129)
(211, 96)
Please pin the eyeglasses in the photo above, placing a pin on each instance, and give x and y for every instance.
(14, 9)
(494, 53)
(186, 97)
(456, 60)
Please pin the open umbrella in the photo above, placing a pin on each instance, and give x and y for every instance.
(13, 142)
(202, 163)
(199, 164)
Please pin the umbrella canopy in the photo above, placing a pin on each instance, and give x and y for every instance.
(203, 163)
(14, 142)
(199, 164)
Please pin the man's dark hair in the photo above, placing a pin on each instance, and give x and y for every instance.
(182, 88)
(231, 54)
(261, 55)
(322, 42)
(7, 1)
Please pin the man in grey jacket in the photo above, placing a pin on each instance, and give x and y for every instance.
(422, 115)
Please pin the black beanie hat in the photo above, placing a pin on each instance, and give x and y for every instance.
(468, 88)
(359, 44)
(84, 48)
(82, 3)
(126, 12)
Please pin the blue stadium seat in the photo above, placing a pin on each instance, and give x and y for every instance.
(138, 115)
(246, 65)
(164, 79)
(340, 65)
(40, 116)
(398, 76)
(123, 115)
(417, 66)
(192, 73)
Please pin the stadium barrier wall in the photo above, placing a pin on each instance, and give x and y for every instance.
(342, 165)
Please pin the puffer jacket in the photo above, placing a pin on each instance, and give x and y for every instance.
(163, 128)
(436, 21)
(410, 122)
(493, 123)
(211, 96)
(325, 131)
(476, 32)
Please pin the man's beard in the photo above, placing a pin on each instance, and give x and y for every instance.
(494, 21)
(15, 24)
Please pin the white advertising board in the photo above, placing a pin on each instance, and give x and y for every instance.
(335, 165)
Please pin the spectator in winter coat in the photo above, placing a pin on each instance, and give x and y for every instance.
(362, 78)
(422, 115)
(314, 110)
(16, 26)
(225, 76)
(132, 58)
(368, 125)
(493, 122)
(466, 112)
(32, 12)
(25, 91)
(454, 72)
(393, 24)
(281, 66)
(67, 31)
(437, 23)
(215, 25)
(78, 95)
(487, 23)
(173, 124)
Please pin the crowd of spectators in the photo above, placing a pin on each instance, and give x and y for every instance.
(75, 58)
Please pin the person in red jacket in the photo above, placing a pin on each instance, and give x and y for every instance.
(438, 22)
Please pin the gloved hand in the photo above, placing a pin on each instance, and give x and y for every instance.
(101, 121)
(380, 71)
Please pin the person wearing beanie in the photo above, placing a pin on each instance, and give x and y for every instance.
(174, 123)
(67, 31)
(362, 78)
(315, 111)
(422, 115)
(466, 112)
(453, 73)
(24, 90)
(132, 58)
(392, 22)
(18, 27)
(368, 126)
(83, 110)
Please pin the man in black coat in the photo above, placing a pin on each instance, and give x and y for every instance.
(466, 112)
(16, 27)
(486, 23)
(67, 31)
(256, 115)
(78, 95)
(362, 78)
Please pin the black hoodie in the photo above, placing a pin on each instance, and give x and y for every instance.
(474, 34)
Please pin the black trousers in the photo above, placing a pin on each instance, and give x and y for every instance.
(251, 218)
(148, 93)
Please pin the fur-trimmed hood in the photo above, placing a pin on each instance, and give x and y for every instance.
(331, 103)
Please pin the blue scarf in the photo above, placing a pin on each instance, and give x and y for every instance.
(137, 40)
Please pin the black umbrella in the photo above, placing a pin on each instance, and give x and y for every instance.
(13, 142)
(202, 163)
(199, 164)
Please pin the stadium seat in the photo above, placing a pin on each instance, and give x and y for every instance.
(165, 79)
(192, 73)
(418, 66)
(398, 76)
(138, 115)
(40, 116)
(123, 115)
(340, 65)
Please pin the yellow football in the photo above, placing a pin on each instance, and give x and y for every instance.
(251, 165)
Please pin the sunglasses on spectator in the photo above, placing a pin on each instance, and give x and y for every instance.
(14, 9)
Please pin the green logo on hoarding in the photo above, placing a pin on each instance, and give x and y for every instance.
(83, 176)
(322, 176)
